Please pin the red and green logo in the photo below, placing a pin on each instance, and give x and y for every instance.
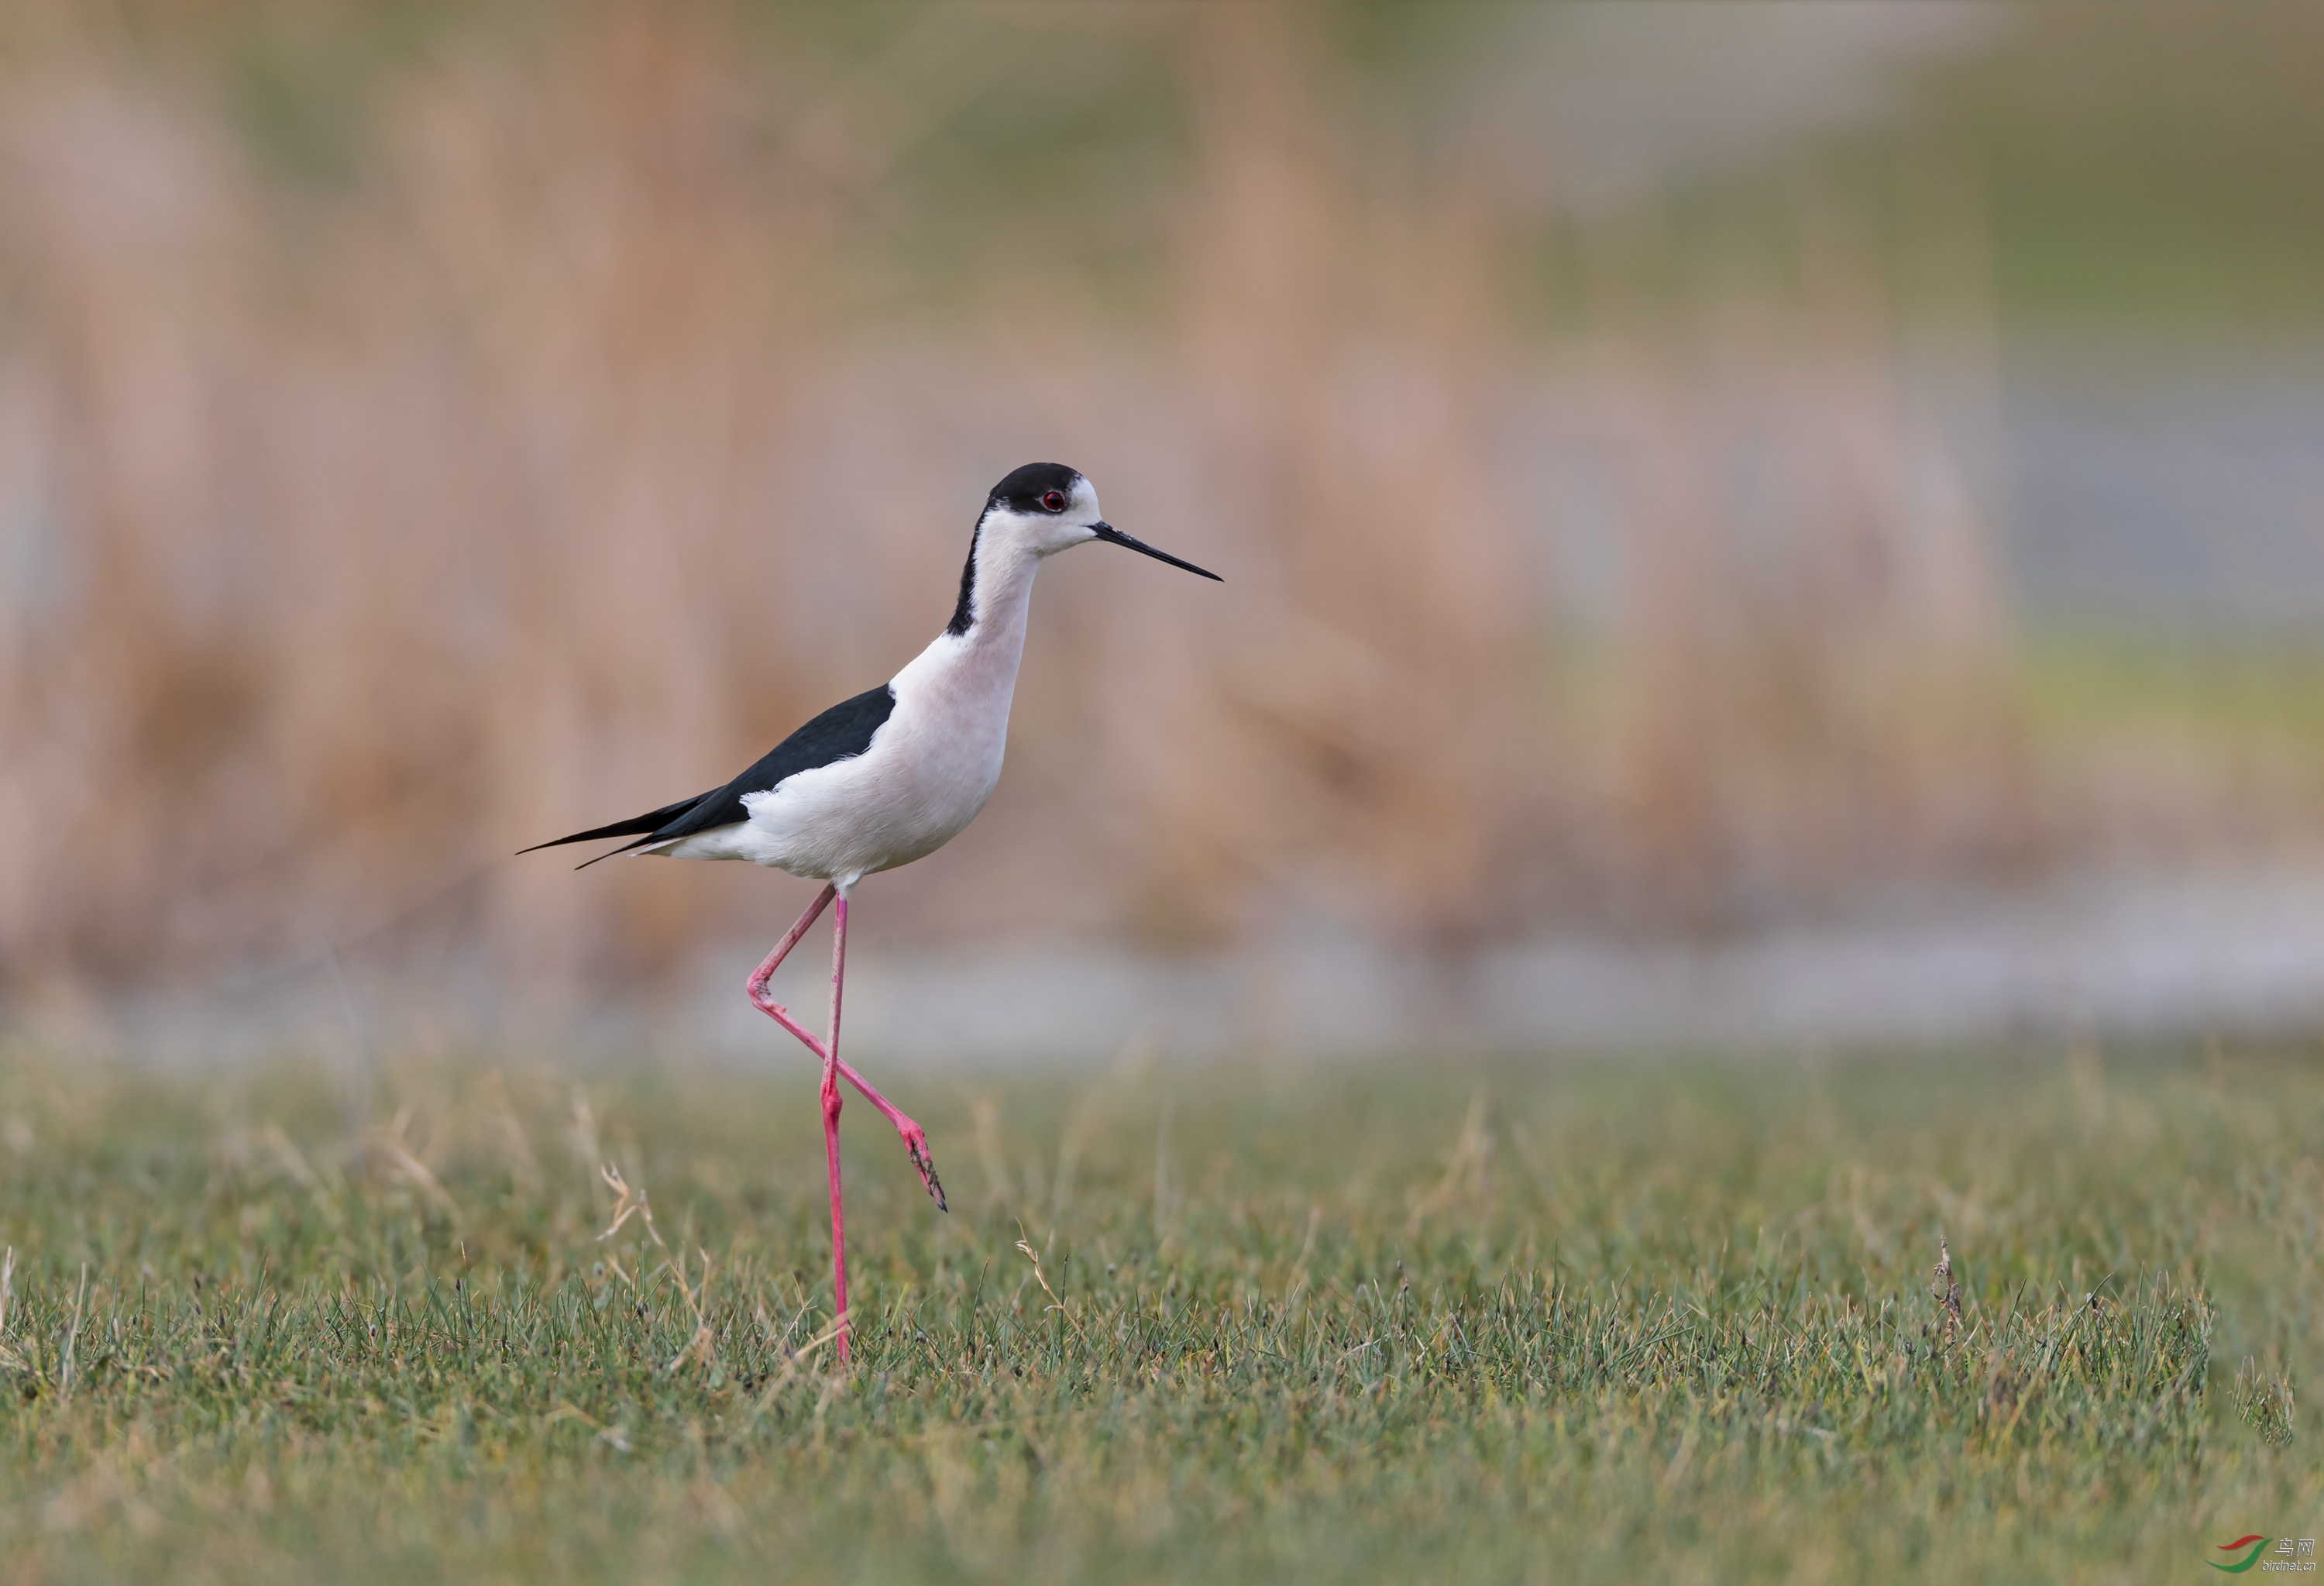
(2238, 1545)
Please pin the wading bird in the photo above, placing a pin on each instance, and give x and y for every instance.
(888, 777)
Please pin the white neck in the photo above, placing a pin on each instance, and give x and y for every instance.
(977, 669)
(1003, 594)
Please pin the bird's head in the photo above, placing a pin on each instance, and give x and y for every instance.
(1047, 508)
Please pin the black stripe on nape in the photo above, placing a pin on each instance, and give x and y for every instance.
(964, 615)
(1021, 491)
(841, 733)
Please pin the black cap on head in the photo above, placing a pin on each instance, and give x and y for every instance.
(1023, 489)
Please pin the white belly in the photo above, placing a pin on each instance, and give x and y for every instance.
(927, 772)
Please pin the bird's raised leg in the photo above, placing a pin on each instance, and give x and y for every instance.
(916, 1139)
(757, 984)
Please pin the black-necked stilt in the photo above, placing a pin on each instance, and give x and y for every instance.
(889, 776)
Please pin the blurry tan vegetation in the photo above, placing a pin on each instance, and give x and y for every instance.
(574, 440)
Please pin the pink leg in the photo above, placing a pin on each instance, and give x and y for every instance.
(831, 1124)
(916, 1139)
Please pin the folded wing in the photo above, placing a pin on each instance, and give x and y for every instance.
(841, 733)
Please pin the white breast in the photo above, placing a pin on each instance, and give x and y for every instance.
(927, 772)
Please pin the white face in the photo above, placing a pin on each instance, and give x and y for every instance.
(1049, 523)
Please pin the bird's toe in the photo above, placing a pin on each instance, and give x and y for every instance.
(926, 1164)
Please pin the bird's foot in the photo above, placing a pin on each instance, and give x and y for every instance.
(916, 1143)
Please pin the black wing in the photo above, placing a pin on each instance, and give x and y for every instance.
(841, 733)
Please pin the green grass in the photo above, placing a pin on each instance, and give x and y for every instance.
(1657, 1321)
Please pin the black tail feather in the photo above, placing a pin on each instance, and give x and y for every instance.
(641, 826)
(610, 853)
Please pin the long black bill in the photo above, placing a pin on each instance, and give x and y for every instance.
(1113, 536)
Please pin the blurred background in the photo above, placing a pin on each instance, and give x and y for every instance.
(1743, 523)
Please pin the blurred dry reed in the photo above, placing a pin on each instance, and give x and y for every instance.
(537, 472)
(1813, 663)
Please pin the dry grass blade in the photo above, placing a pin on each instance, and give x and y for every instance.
(1467, 1169)
(790, 1368)
(524, 1167)
(8, 1356)
(699, 1348)
(2264, 1401)
(72, 1335)
(628, 1203)
(1056, 1304)
(1948, 1291)
(412, 1170)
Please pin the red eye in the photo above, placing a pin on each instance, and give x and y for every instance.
(1055, 501)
